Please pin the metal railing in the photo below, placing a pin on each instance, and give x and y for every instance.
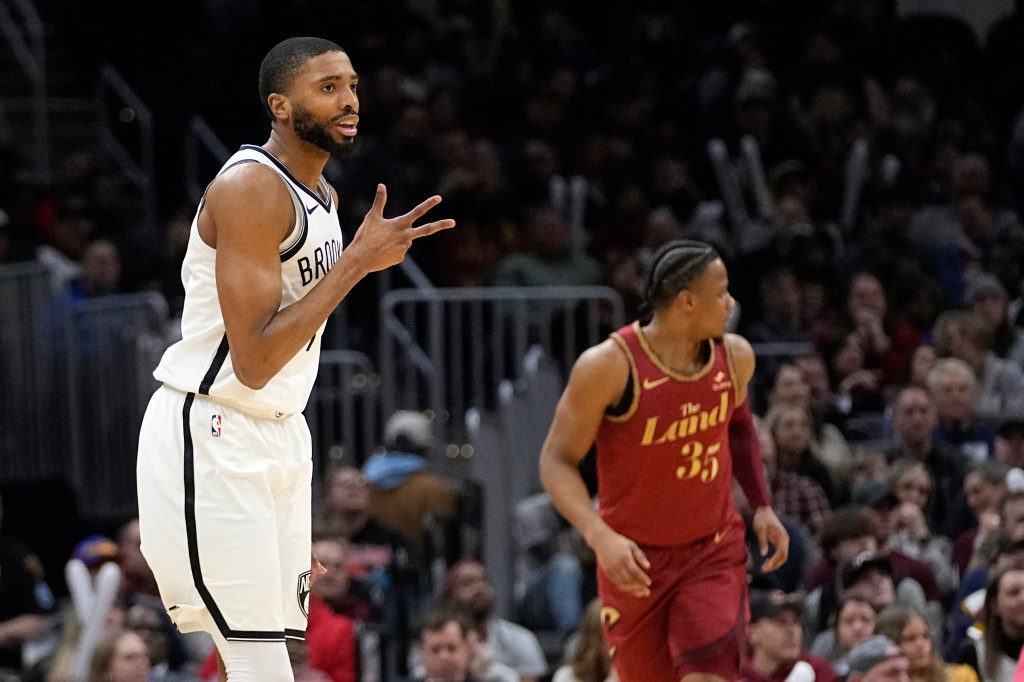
(449, 350)
(22, 28)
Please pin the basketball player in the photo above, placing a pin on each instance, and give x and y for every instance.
(224, 468)
(665, 402)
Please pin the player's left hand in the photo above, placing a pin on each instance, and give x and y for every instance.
(316, 569)
(770, 531)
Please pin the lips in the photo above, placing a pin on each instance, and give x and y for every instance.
(349, 129)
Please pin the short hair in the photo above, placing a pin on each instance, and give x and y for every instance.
(845, 523)
(439, 618)
(991, 470)
(674, 267)
(285, 61)
(949, 367)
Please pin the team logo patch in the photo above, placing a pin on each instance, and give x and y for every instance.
(215, 424)
(302, 592)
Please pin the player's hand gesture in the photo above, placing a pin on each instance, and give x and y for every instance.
(623, 562)
(770, 531)
(385, 241)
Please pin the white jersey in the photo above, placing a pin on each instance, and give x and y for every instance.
(200, 361)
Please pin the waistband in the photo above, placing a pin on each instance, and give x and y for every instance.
(250, 410)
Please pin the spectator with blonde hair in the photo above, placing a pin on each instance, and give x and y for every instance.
(909, 630)
(955, 387)
(589, 658)
(121, 656)
(965, 335)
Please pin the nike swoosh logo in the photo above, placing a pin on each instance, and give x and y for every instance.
(648, 384)
(721, 534)
(310, 209)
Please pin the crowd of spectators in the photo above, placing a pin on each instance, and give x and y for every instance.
(860, 169)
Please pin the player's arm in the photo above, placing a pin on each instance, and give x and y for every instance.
(247, 212)
(595, 383)
(748, 469)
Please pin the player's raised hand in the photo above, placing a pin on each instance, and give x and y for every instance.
(385, 241)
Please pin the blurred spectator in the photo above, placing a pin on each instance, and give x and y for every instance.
(852, 621)
(548, 258)
(984, 490)
(882, 339)
(968, 605)
(553, 560)
(120, 656)
(909, 630)
(25, 599)
(151, 623)
(987, 298)
(335, 612)
(789, 385)
(914, 420)
(876, 659)
(993, 648)
(780, 318)
(775, 640)
(468, 589)
(405, 495)
(955, 387)
(965, 336)
(790, 428)
(378, 556)
(1009, 443)
(912, 535)
(798, 499)
(136, 576)
(444, 648)
(588, 658)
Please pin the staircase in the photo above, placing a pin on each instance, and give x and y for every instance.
(48, 111)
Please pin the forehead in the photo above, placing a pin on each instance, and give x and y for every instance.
(325, 67)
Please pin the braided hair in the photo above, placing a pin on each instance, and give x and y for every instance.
(674, 267)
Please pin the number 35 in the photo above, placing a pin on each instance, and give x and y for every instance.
(699, 462)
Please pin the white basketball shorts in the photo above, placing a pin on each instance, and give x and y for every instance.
(224, 514)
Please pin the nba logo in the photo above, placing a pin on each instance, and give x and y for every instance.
(215, 426)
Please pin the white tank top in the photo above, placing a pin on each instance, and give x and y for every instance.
(200, 361)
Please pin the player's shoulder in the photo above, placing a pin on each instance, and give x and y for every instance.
(737, 345)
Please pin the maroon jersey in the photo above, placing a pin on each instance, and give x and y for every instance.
(664, 467)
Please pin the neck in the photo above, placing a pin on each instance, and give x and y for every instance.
(916, 448)
(677, 350)
(764, 663)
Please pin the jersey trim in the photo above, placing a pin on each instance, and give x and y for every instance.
(732, 369)
(678, 376)
(193, 542)
(218, 361)
(326, 205)
(634, 384)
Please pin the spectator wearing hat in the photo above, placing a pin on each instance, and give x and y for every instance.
(94, 551)
(914, 420)
(849, 536)
(877, 659)
(883, 504)
(987, 298)
(775, 640)
(405, 495)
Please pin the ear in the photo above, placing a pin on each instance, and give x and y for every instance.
(280, 106)
(685, 297)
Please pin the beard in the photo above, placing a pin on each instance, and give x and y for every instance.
(316, 132)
